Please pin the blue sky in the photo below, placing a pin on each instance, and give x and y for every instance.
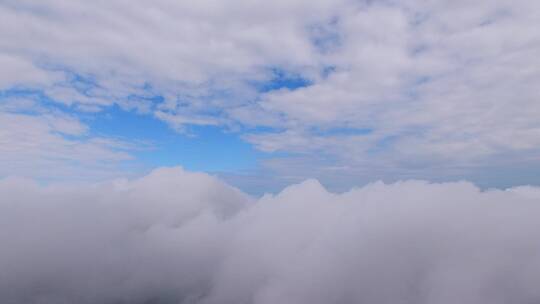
(205, 148)
(201, 148)
(267, 95)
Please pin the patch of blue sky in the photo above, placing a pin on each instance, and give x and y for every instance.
(211, 149)
(282, 79)
(342, 131)
(152, 98)
(20, 92)
(206, 148)
(31, 94)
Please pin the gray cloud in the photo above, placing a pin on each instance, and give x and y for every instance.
(180, 237)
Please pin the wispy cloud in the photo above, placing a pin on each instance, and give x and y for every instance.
(55, 146)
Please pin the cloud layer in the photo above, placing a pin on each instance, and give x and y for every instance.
(180, 237)
(400, 84)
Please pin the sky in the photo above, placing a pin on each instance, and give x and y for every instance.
(269, 152)
(264, 94)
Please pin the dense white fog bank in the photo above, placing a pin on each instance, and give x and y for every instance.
(180, 237)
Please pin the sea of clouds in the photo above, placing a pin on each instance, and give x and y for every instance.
(180, 237)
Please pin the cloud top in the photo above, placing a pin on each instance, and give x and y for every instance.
(180, 237)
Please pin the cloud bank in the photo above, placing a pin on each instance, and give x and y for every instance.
(180, 237)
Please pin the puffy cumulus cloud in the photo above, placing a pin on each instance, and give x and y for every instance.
(121, 242)
(180, 237)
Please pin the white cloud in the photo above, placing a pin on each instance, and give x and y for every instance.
(178, 122)
(180, 237)
(19, 71)
(451, 82)
(175, 46)
(56, 146)
(447, 85)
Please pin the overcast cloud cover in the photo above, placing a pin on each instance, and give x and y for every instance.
(180, 237)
